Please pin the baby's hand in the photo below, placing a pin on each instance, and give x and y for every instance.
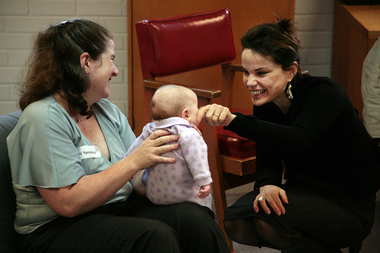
(204, 191)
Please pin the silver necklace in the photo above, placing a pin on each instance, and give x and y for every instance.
(79, 120)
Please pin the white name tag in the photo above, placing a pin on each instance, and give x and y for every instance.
(89, 152)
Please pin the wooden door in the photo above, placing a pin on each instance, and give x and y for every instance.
(356, 28)
(244, 15)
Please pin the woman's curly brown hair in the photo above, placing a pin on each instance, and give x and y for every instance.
(54, 64)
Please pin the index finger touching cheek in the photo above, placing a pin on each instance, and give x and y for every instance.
(201, 112)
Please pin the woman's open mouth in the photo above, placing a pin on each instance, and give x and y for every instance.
(257, 92)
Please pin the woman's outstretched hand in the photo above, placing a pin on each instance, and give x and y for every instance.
(215, 115)
(272, 195)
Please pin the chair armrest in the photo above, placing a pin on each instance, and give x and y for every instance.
(205, 93)
(233, 67)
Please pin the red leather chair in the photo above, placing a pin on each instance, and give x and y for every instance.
(184, 43)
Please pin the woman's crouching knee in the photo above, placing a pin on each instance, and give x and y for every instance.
(242, 231)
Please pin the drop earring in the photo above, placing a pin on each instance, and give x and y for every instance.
(289, 91)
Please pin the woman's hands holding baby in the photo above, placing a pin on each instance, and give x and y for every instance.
(149, 153)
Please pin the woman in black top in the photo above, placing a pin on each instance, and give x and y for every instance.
(326, 200)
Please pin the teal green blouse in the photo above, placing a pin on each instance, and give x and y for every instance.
(48, 150)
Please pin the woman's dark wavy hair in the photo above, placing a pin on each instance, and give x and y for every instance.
(54, 64)
(277, 41)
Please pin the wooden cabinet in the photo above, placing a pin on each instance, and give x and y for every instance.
(244, 14)
(356, 28)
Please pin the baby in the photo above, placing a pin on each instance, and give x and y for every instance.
(175, 108)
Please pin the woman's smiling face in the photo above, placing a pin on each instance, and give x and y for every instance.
(265, 80)
(100, 73)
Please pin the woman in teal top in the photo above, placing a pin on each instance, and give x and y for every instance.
(66, 153)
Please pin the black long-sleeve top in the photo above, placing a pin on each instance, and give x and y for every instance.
(321, 140)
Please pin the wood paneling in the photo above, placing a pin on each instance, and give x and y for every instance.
(356, 28)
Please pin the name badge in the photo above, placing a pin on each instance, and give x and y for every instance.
(89, 152)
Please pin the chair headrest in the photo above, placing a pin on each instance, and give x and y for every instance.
(183, 43)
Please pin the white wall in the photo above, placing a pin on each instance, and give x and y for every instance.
(315, 21)
(20, 19)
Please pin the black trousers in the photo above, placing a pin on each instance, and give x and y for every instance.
(135, 225)
(333, 221)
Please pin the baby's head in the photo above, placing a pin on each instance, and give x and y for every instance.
(174, 101)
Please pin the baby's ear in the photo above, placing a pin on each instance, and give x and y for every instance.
(185, 113)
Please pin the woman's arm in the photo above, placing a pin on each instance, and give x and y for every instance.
(91, 191)
(316, 109)
(308, 120)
